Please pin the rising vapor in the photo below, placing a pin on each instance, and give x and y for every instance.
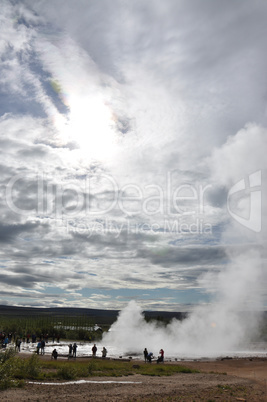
(223, 327)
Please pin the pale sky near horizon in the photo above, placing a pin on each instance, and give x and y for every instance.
(124, 127)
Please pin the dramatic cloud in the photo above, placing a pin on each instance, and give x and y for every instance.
(133, 141)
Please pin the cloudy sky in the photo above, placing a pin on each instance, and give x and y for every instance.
(133, 138)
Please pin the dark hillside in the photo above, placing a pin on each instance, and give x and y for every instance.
(100, 317)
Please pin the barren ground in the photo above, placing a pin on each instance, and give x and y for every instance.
(220, 380)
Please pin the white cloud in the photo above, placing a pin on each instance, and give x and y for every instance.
(156, 98)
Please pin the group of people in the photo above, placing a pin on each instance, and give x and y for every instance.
(28, 338)
(42, 342)
(149, 356)
(72, 350)
(41, 347)
(55, 338)
(5, 339)
(94, 350)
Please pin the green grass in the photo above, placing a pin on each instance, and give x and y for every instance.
(49, 324)
(111, 368)
(15, 370)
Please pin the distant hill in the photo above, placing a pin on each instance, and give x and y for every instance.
(97, 315)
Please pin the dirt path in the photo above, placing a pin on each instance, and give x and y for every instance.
(255, 368)
(245, 381)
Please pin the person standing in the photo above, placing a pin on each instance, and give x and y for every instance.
(161, 357)
(74, 349)
(104, 352)
(70, 350)
(94, 350)
(42, 347)
(145, 354)
(38, 347)
(18, 343)
(5, 342)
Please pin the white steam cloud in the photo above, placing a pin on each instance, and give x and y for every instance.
(225, 326)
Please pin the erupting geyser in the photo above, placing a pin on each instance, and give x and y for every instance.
(225, 326)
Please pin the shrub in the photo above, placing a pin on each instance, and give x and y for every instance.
(67, 372)
(7, 354)
(91, 367)
(8, 368)
(32, 367)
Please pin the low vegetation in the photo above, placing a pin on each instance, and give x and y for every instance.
(77, 327)
(15, 370)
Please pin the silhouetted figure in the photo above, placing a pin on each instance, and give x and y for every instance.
(6, 341)
(161, 357)
(145, 354)
(104, 352)
(94, 350)
(54, 354)
(70, 349)
(74, 349)
(38, 347)
(42, 347)
(150, 357)
(18, 343)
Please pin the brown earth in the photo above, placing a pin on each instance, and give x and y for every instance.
(220, 380)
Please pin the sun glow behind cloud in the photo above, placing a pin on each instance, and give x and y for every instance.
(90, 124)
(89, 121)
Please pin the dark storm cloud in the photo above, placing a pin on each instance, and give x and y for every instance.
(27, 281)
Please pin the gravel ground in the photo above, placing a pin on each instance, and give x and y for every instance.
(227, 380)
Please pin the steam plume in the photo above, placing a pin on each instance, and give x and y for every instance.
(222, 327)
